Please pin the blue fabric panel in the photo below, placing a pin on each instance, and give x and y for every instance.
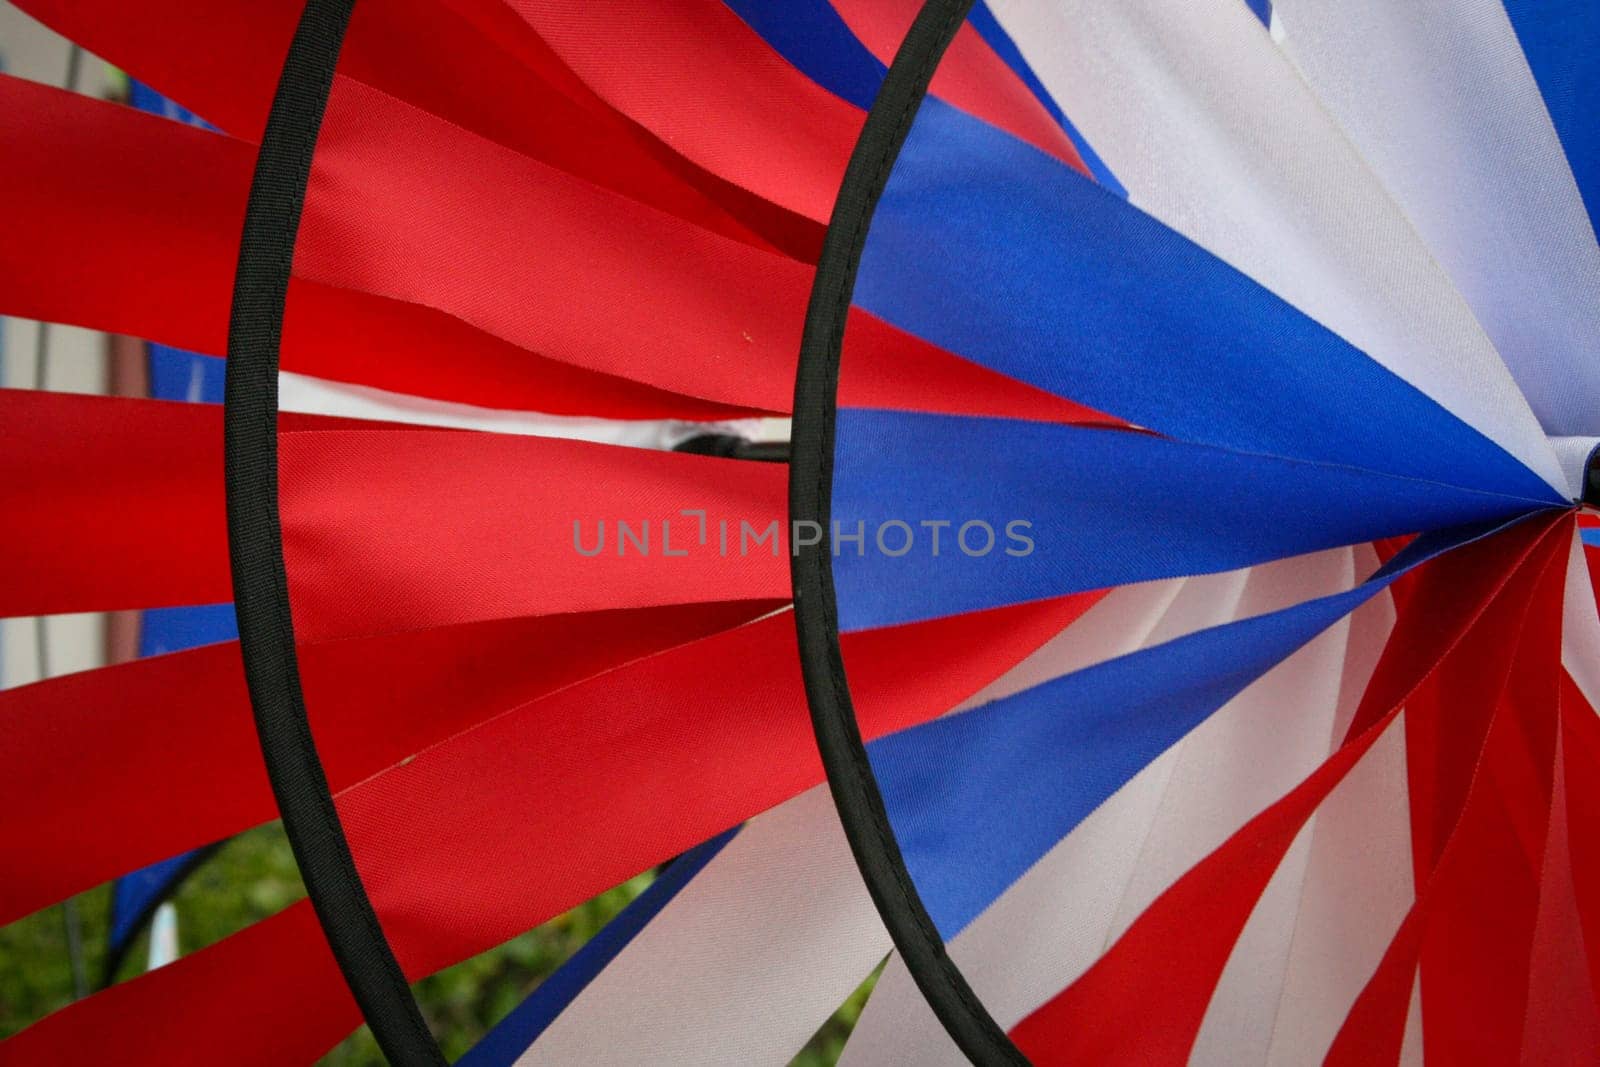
(1561, 39)
(815, 40)
(994, 251)
(1107, 507)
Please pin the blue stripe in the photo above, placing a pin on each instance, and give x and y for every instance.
(994, 251)
(1262, 10)
(1561, 39)
(817, 42)
(517, 1031)
(1107, 507)
(1591, 536)
(977, 798)
(989, 28)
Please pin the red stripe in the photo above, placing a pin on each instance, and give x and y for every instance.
(105, 771)
(1581, 742)
(68, 460)
(384, 529)
(1563, 1019)
(165, 243)
(970, 76)
(405, 247)
(1458, 851)
(534, 811)
(225, 67)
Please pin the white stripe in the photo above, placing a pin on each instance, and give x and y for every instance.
(1437, 97)
(1321, 928)
(1580, 625)
(1247, 755)
(1411, 1044)
(743, 965)
(1237, 1027)
(1212, 131)
(1049, 927)
(318, 396)
(1136, 616)
(1573, 453)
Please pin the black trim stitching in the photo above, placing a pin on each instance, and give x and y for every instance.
(255, 542)
(844, 756)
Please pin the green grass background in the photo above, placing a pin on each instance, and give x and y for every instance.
(254, 876)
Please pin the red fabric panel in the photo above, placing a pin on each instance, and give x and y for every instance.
(224, 66)
(105, 771)
(165, 238)
(69, 460)
(702, 81)
(579, 295)
(1462, 851)
(405, 206)
(1563, 1019)
(519, 819)
(970, 76)
(385, 529)
(389, 530)
(1169, 957)
(1581, 764)
(1479, 908)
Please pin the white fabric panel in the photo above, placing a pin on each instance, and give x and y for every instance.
(1136, 616)
(1049, 927)
(1411, 1045)
(1213, 132)
(318, 396)
(1580, 626)
(1370, 627)
(1437, 97)
(1258, 747)
(1237, 1027)
(1573, 453)
(743, 965)
(1120, 623)
(1302, 963)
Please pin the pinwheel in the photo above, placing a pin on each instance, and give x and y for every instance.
(1178, 642)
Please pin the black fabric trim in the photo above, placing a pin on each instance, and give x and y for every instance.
(732, 446)
(850, 777)
(116, 956)
(255, 543)
(1591, 479)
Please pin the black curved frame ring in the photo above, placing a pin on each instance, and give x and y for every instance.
(255, 542)
(266, 253)
(850, 777)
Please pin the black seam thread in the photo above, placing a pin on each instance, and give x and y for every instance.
(261, 590)
(861, 807)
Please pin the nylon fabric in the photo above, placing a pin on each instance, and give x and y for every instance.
(1214, 133)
